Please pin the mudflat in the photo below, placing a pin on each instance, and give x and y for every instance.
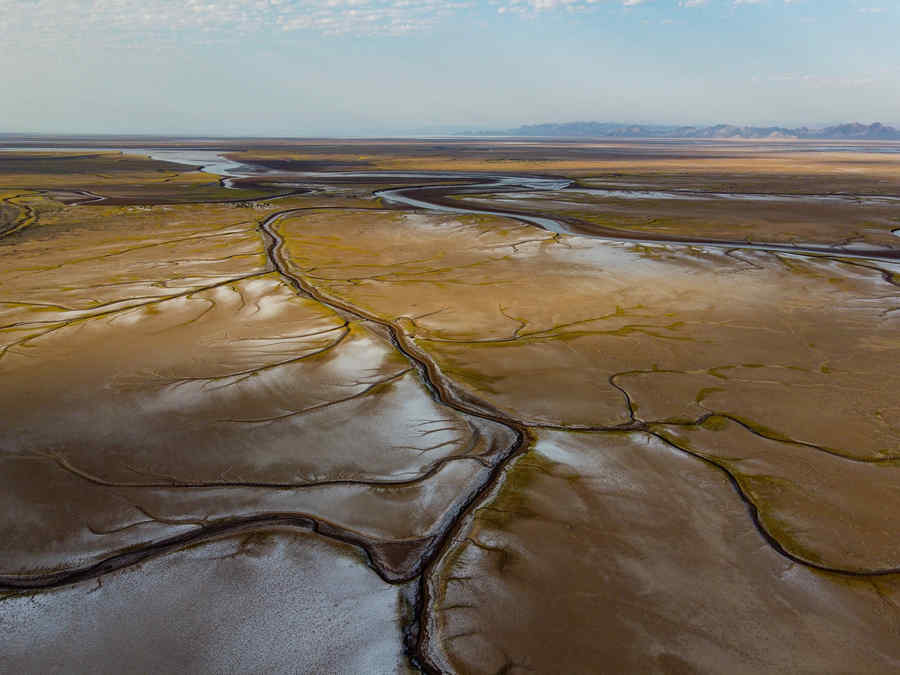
(450, 406)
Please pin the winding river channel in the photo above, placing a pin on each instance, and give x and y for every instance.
(438, 198)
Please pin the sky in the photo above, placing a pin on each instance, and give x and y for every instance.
(383, 67)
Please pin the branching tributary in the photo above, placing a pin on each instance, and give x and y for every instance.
(444, 393)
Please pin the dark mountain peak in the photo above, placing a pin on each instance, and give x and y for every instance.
(853, 130)
(857, 130)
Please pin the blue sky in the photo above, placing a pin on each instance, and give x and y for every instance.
(362, 67)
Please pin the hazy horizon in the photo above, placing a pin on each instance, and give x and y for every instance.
(462, 133)
(417, 67)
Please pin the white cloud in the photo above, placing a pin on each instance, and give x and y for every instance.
(67, 19)
(535, 7)
(152, 22)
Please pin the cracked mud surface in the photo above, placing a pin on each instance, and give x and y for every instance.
(310, 431)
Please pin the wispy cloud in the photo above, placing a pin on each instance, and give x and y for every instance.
(535, 7)
(68, 19)
(135, 22)
(64, 21)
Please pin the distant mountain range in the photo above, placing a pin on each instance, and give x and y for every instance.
(854, 131)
